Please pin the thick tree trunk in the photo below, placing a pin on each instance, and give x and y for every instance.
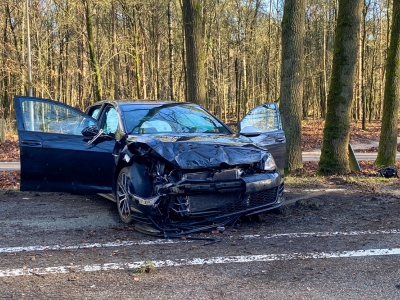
(388, 138)
(334, 153)
(195, 56)
(292, 80)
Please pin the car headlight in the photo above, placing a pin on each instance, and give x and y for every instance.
(269, 164)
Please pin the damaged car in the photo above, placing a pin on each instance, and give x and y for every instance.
(172, 168)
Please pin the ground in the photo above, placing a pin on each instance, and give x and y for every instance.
(66, 233)
(62, 235)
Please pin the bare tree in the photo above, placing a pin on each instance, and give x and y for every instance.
(94, 64)
(171, 52)
(237, 47)
(192, 12)
(292, 80)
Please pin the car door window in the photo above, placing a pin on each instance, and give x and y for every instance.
(50, 117)
(264, 117)
(263, 126)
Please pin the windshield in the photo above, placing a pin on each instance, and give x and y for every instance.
(170, 118)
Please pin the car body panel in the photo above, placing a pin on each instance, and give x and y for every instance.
(193, 152)
(53, 161)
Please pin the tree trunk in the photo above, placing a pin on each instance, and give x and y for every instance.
(334, 153)
(195, 56)
(136, 52)
(98, 89)
(292, 80)
(171, 53)
(362, 66)
(115, 73)
(388, 138)
(324, 94)
(5, 75)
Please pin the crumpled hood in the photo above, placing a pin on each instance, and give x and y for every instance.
(195, 152)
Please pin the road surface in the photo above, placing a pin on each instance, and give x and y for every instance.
(307, 156)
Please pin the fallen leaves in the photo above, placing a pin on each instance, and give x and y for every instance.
(312, 134)
(9, 180)
(9, 150)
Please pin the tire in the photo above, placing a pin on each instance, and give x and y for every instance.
(122, 196)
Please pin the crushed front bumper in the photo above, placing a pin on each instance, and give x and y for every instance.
(213, 202)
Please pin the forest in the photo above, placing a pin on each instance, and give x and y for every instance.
(83, 51)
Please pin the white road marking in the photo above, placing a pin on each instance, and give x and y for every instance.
(324, 234)
(197, 261)
(84, 246)
(318, 190)
(164, 241)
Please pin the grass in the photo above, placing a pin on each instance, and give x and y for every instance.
(147, 267)
(344, 179)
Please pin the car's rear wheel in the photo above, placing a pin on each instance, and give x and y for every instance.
(122, 196)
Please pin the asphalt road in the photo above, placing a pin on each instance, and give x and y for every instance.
(307, 156)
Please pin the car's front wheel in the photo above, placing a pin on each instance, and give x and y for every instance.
(122, 196)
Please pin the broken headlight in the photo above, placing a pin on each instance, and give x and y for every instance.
(269, 164)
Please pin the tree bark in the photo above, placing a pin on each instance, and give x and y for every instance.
(195, 56)
(292, 80)
(171, 53)
(136, 52)
(334, 153)
(115, 73)
(388, 137)
(98, 87)
(362, 65)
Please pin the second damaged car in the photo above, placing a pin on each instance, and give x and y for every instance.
(172, 168)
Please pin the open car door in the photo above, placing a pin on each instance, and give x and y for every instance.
(263, 126)
(53, 152)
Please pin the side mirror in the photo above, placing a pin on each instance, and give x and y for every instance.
(90, 131)
(250, 131)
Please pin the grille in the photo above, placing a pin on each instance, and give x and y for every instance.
(252, 201)
(227, 203)
(207, 201)
(262, 198)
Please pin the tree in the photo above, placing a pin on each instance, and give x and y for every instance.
(292, 80)
(334, 153)
(388, 137)
(98, 89)
(171, 52)
(139, 50)
(115, 71)
(192, 13)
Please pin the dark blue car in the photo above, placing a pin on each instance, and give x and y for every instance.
(172, 168)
